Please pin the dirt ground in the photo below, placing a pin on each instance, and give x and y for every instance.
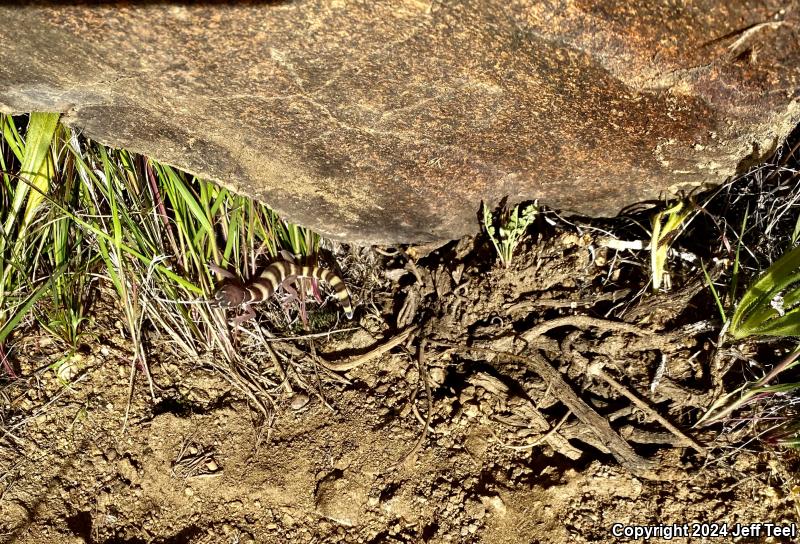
(513, 453)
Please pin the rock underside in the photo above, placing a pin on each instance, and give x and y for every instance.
(391, 122)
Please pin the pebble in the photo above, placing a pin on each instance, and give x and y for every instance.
(471, 409)
(342, 499)
(437, 376)
(494, 504)
(299, 401)
(127, 471)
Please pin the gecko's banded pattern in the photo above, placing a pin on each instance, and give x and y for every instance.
(260, 288)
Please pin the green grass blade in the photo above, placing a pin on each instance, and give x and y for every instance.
(41, 129)
(735, 273)
(717, 299)
(26, 306)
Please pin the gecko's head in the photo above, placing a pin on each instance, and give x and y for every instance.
(229, 295)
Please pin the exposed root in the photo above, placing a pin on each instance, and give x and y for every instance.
(582, 321)
(539, 440)
(596, 369)
(619, 448)
(344, 366)
(423, 376)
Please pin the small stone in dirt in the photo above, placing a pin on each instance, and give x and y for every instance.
(341, 499)
(494, 504)
(189, 492)
(13, 512)
(127, 471)
(395, 274)
(471, 409)
(437, 376)
(466, 394)
(299, 401)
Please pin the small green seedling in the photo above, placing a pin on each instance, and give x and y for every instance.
(509, 230)
(667, 225)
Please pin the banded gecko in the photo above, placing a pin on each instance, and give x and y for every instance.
(235, 293)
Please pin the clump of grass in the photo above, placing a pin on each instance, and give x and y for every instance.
(161, 234)
(768, 307)
(148, 229)
(302, 242)
(750, 393)
(729, 300)
(64, 311)
(21, 236)
(507, 230)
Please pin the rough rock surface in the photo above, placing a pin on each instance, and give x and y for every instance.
(391, 121)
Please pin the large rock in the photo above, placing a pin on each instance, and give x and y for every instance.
(390, 121)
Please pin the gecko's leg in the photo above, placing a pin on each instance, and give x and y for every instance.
(245, 317)
(315, 290)
(287, 285)
(214, 267)
(293, 295)
(287, 256)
